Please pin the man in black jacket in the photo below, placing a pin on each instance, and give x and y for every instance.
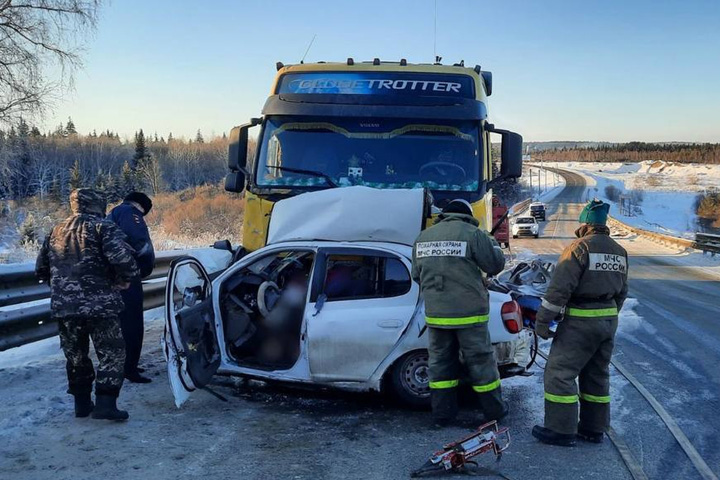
(129, 217)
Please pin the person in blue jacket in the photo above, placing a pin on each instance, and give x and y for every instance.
(129, 217)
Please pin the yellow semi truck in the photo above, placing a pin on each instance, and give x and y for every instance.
(378, 124)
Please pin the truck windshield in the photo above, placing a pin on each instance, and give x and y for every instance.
(380, 153)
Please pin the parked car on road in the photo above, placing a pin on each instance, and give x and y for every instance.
(525, 225)
(328, 302)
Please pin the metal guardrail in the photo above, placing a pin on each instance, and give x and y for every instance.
(520, 207)
(708, 243)
(27, 324)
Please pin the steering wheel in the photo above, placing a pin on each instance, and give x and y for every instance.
(265, 305)
(443, 169)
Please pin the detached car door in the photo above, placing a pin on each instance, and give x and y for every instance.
(190, 341)
(362, 301)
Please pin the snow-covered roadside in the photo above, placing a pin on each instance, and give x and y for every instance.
(668, 192)
(549, 195)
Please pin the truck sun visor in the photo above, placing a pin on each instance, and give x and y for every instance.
(379, 83)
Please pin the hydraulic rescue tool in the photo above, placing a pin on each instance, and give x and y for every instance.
(455, 456)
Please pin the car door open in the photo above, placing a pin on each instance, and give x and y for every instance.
(190, 341)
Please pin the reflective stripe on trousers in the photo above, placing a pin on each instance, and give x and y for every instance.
(592, 312)
(457, 321)
(595, 398)
(487, 387)
(442, 384)
(561, 398)
(574, 398)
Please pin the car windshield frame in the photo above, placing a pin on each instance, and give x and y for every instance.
(525, 221)
(461, 163)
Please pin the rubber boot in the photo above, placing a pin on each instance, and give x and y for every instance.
(83, 405)
(440, 423)
(545, 435)
(504, 413)
(106, 409)
(590, 436)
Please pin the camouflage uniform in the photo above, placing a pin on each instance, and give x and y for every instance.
(85, 258)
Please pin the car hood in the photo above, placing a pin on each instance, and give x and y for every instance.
(349, 214)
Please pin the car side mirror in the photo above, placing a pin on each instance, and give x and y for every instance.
(223, 245)
(235, 182)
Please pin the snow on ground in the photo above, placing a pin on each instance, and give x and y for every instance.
(669, 191)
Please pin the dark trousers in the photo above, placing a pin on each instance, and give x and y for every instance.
(75, 336)
(445, 347)
(582, 348)
(132, 323)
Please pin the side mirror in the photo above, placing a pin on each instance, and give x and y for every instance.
(235, 182)
(223, 245)
(511, 152)
(237, 148)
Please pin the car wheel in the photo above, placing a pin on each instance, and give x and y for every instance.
(410, 379)
(514, 236)
(537, 235)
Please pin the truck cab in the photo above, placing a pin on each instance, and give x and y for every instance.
(386, 125)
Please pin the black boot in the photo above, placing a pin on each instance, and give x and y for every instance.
(106, 409)
(590, 436)
(83, 405)
(440, 423)
(135, 377)
(503, 413)
(545, 435)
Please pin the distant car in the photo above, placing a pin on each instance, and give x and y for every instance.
(537, 210)
(526, 225)
(332, 312)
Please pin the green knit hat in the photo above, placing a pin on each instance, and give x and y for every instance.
(595, 212)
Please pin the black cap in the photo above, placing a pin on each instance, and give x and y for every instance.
(141, 199)
(458, 206)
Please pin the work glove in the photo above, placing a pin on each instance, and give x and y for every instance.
(542, 323)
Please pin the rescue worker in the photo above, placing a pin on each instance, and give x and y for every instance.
(87, 262)
(448, 261)
(590, 284)
(129, 217)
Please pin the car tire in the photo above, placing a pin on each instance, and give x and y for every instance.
(514, 236)
(537, 235)
(409, 379)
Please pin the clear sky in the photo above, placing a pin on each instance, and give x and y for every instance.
(610, 70)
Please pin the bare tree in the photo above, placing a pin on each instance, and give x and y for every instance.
(36, 35)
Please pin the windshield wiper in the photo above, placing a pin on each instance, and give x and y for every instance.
(327, 178)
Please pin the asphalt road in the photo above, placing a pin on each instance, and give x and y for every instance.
(673, 349)
(273, 432)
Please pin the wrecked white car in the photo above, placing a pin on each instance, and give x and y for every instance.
(329, 302)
